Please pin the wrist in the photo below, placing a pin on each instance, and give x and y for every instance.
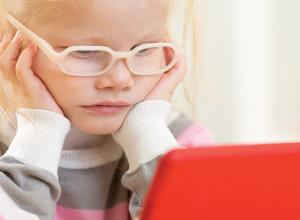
(143, 116)
(144, 135)
(39, 138)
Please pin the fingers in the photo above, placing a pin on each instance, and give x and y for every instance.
(4, 43)
(176, 75)
(24, 70)
(9, 51)
(16, 64)
(169, 81)
(12, 51)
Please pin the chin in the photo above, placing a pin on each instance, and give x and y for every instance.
(98, 129)
(98, 125)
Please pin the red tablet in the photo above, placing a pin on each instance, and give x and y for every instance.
(250, 182)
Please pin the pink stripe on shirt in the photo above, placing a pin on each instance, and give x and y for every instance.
(119, 212)
(195, 135)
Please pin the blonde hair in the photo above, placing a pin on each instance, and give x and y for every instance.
(183, 13)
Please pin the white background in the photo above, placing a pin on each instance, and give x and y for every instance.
(250, 79)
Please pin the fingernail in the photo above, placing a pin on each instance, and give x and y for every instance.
(17, 37)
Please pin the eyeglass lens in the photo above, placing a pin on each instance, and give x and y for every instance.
(143, 62)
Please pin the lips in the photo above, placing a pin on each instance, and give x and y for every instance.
(109, 104)
(107, 107)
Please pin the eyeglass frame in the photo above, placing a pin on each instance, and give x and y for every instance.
(58, 57)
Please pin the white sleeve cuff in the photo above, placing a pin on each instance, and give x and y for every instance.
(39, 138)
(144, 134)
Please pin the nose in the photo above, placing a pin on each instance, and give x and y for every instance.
(118, 77)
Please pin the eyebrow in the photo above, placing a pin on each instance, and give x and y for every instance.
(97, 39)
(64, 39)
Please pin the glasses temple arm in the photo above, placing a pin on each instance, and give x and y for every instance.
(41, 43)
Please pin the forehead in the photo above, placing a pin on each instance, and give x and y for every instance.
(110, 20)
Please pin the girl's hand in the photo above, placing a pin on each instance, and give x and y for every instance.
(166, 86)
(17, 79)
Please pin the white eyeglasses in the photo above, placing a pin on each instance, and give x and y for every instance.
(145, 59)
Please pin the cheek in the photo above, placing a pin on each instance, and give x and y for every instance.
(58, 84)
(144, 84)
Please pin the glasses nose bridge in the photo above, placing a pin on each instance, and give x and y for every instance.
(119, 55)
(122, 55)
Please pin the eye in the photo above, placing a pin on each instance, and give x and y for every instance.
(145, 52)
(84, 54)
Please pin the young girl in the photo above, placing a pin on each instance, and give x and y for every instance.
(88, 86)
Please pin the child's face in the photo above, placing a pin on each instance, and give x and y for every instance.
(120, 25)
